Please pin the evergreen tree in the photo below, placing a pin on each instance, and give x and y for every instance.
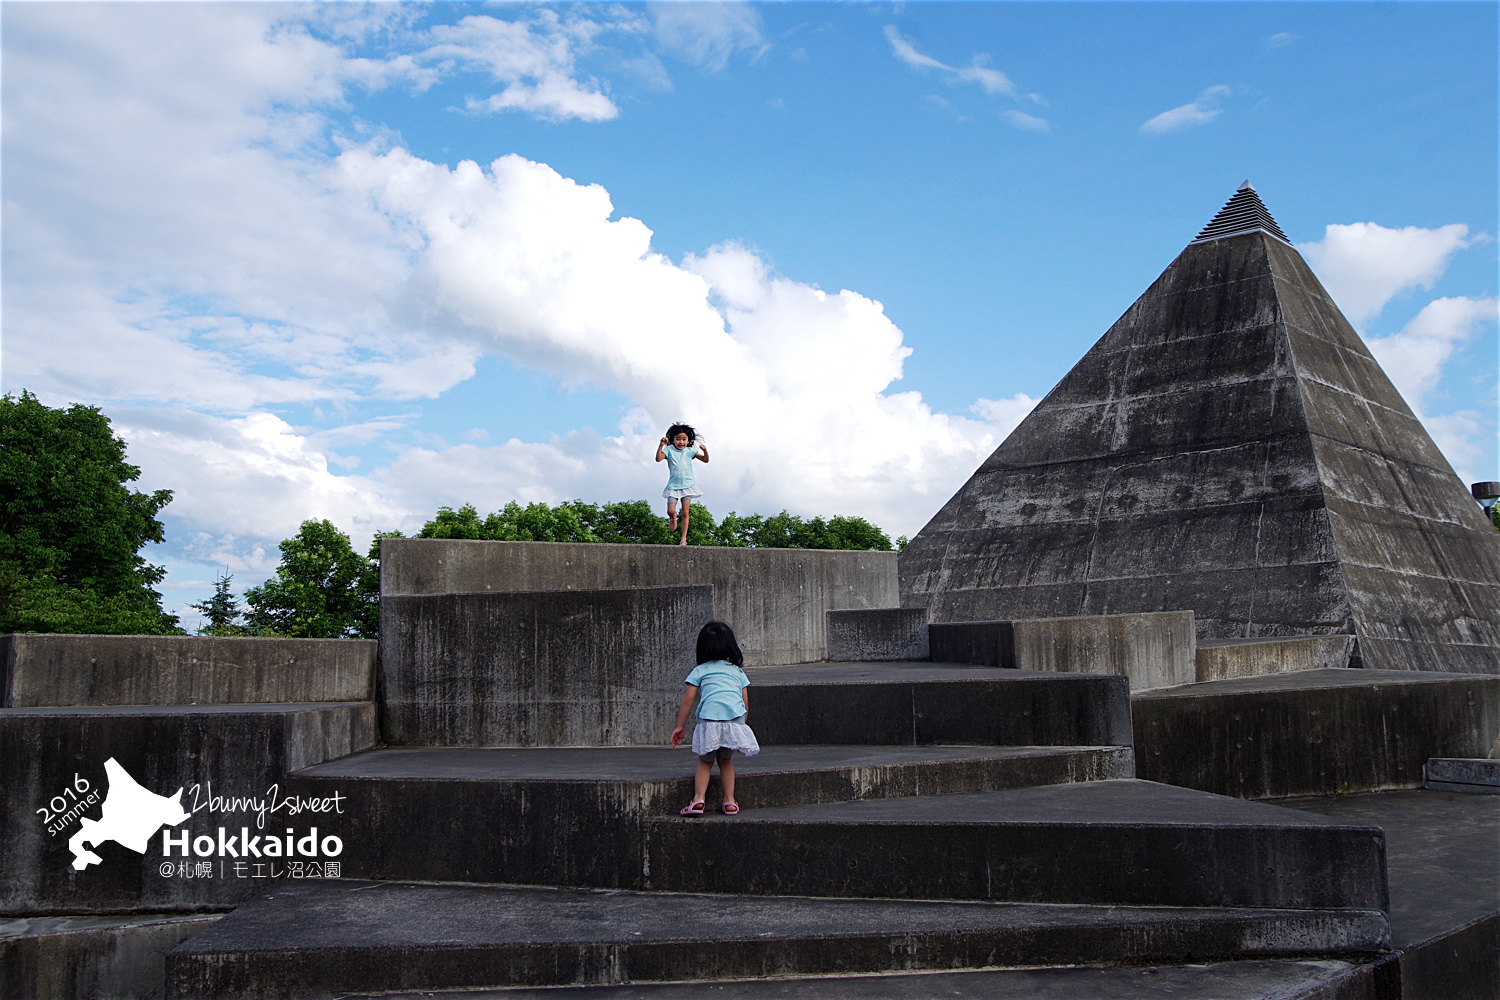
(222, 610)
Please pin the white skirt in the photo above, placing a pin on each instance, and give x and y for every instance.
(691, 493)
(709, 736)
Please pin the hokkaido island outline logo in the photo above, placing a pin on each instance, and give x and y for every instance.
(131, 816)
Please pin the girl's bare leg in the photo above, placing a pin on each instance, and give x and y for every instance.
(685, 503)
(726, 778)
(672, 515)
(700, 780)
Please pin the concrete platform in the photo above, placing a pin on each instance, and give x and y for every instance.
(919, 703)
(1252, 980)
(204, 750)
(329, 940)
(1313, 732)
(1121, 842)
(572, 816)
(1455, 774)
(102, 958)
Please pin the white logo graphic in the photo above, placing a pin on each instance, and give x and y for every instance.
(130, 816)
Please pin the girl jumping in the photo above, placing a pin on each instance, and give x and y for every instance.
(721, 688)
(678, 449)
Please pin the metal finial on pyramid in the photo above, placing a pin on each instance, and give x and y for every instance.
(1244, 213)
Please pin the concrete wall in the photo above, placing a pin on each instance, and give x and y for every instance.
(775, 599)
(1313, 732)
(1219, 660)
(65, 670)
(1154, 650)
(555, 668)
(101, 958)
(885, 634)
(230, 751)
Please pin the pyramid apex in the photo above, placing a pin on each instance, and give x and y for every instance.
(1243, 213)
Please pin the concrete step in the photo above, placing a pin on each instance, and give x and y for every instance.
(1313, 732)
(103, 958)
(573, 816)
(1119, 842)
(53, 760)
(329, 940)
(1479, 776)
(920, 703)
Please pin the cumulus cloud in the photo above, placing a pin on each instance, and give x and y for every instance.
(1202, 111)
(707, 33)
(1364, 265)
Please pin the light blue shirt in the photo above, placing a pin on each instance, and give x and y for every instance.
(680, 461)
(719, 683)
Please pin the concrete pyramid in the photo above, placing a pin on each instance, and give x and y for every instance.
(1230, 446)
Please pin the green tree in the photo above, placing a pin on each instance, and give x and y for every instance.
(322, 589)
(222, 610)
(71, 530)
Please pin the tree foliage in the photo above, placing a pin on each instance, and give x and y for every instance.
(636, 521)
(71, 530)
(222, 610)
(322, 589)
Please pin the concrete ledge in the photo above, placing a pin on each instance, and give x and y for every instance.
(883, 634)
(774, 598)
(1222, 659)
(102, 958)
(328, 941)
(219, 755)
(1154, 650)
(68, 670)
(1449, 774)
(1313, 732)
(538, 669)
(926, 704)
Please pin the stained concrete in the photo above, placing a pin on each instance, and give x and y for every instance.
(66, 670)
(1252, 980)
(1229, 446)
(883, 634)
(1451, 774)
(329, 940)
(225, 750)
(1222, 659)
(559, 668)
(1313, 732)
(936, 703)
(1444, 875)
(1119, 842)
(574, 816)
(101, 958)
(774, 598)
(1152, 650)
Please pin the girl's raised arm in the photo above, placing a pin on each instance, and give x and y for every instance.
(702, 453)
(661, 456)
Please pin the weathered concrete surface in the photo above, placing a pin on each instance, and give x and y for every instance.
(774, 598)
(1154, 650)
(101, 958)
(883, 634)
(1221, 659)
(64, 670)
(572, 816)
(936, 703)
(1229, 446)
(224, 751)
(329, 940)
(1313, 732)
(1121, 842)
(1450, 774)
(1264, 979)
(552, 668)
(1443, 853)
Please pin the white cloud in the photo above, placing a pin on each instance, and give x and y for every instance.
(1202, 111)
(1282, 38)
(1022, 120)
(1364, 265)
(707, 33)
(978, 71)
(1414, 358)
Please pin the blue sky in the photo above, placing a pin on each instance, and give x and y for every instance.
(852, 242)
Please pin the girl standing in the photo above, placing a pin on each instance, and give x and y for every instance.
(719, 685)
(678, 449)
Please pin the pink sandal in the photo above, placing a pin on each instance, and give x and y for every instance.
(730, 809)
(693, 809)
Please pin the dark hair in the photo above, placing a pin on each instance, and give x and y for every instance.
(687, 429)
(716, 642)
